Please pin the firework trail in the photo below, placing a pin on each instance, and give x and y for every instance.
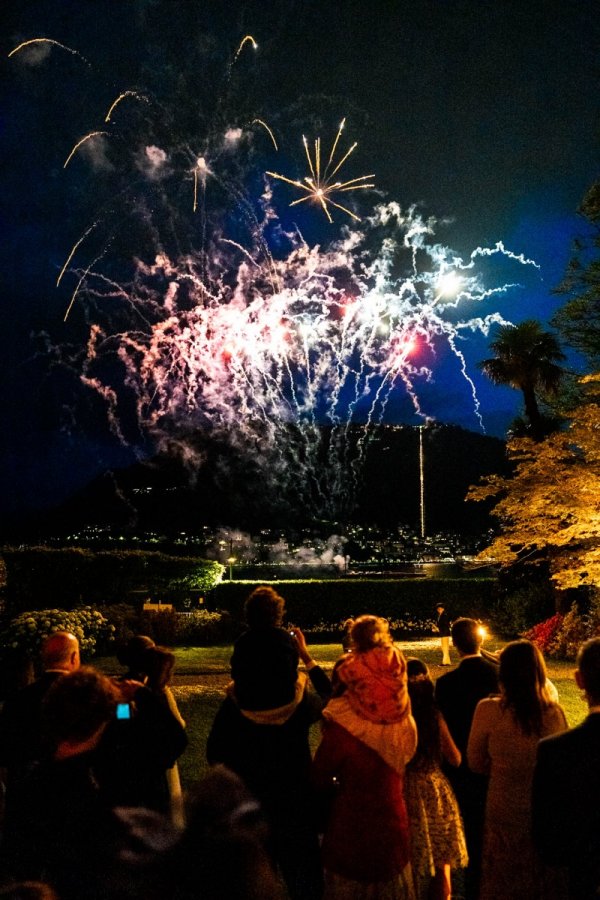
(267, 129)
(83, 140)
(47, 41)
(247, 39)
(74, 249)
(121, 97)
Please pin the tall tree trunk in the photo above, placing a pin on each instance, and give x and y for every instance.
(532, 412)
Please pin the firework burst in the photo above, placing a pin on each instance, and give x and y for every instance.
(275, 355)
(319, 186)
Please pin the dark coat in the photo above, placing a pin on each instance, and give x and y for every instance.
(61, 829)
(457, 693)
(443, 624)
(21, 742)
(274, 762)
(566, 804)
(133, 755)
(264, 668)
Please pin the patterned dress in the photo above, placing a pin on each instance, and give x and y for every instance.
(436, 830)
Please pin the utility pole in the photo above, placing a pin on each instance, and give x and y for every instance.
(421, 482)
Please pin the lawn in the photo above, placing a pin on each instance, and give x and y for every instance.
(202, 673)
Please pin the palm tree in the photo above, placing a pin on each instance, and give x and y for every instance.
(526, 359)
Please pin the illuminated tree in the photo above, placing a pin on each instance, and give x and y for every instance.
(549, 510)
(578, 320)
(526, 358)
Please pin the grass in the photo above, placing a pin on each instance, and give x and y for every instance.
(201, 675)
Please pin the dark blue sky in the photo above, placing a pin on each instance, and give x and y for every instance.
(485, 114)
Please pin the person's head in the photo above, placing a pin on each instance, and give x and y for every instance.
(158, 664)
(77, 708)
(264, 607)
(368, 632)
(466, 636)
(221, 853)
(440, 607)
(522, 677)
(131, 653)
(588, 670)
(60, 652)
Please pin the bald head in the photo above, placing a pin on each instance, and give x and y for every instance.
(60, 651)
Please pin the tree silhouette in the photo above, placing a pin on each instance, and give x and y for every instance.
(578, 321)
(526, 359)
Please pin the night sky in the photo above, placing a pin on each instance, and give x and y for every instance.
(484, 115)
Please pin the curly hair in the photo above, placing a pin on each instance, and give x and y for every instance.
(264, 607)
(368, 632)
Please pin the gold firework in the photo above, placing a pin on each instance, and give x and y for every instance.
(92, 134)
(267, 129)
(122, 97)
(73, 252)
(47, 41)
(319, 185)
(247, 39)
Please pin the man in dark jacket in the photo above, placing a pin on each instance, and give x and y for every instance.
(566, 788)
(457, 694)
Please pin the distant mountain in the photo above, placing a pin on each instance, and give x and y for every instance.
(379, 484)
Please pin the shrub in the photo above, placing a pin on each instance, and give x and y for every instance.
(125, 618)
(24, 634)
(561, 636)
(199, 628)
(70, 576)
(573, 631)
(408, 626)
(544, 632)
(519, 610)
(309, 603)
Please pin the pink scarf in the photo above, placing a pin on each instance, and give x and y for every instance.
(376, 684)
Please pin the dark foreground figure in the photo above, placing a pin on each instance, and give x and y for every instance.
(566, 789)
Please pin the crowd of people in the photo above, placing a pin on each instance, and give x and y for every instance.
(412, 782)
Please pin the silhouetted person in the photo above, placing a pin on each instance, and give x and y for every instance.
(61, 828)
(147, 737)
(264, 663)
(220, 855)
(268, 748)
(566, 788)
(457, 693)
(20, 719)
(443, 627)
(131, 655)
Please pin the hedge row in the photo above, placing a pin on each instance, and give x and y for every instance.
(42, 577)
(309, 603)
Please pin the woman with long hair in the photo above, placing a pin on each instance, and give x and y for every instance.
(503, 744)
(368, 737)
(436, 829)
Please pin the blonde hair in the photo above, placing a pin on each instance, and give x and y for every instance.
(368, 632)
